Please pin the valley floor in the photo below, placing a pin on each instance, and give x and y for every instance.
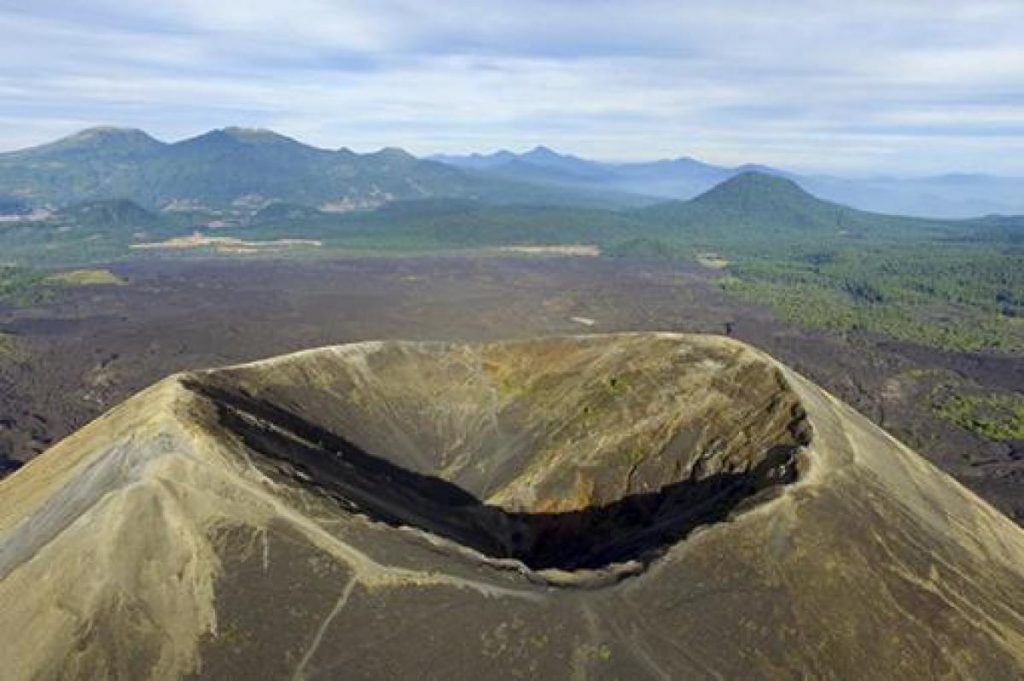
(67, 360)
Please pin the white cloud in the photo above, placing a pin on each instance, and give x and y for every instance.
(890, 86)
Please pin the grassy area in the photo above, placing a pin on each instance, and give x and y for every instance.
(20, 287)
(8, 347)
(25, 287)
(995, 416)
(955, 296)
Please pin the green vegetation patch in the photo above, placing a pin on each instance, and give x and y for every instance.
(8, 347)
(87, 277)
(994, 415)
(21, 287)
(953, 296)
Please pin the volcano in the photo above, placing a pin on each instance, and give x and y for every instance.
(633, 506)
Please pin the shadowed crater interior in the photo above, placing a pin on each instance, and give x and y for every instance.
(562, 453)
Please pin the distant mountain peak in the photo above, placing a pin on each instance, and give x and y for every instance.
(250, 133)
(394, 154)
(542, 152)
(760, 205)
(546, 157)
(753, 184)
(100, 138)
(108, 131)
(257, 136)
(500, 155)
(477, 160)
(219, 137)
(243, 130)
(236, 138)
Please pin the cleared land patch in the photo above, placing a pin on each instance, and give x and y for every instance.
(227, 244)
(87, 277)
(578, 250)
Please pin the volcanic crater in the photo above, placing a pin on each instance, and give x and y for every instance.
(557, 456)
(415, 510)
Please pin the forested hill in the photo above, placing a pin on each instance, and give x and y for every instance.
(758, 206)
(239, 167)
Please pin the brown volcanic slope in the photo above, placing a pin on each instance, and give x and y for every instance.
(630, 506)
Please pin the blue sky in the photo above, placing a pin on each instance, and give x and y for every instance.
(857, 88)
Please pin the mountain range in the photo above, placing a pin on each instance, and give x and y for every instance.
(680, 178)
(244, 170)
(939, 196)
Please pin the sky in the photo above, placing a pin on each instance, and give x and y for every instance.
(856, 88)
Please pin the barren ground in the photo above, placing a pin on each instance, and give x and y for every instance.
(96, 345)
